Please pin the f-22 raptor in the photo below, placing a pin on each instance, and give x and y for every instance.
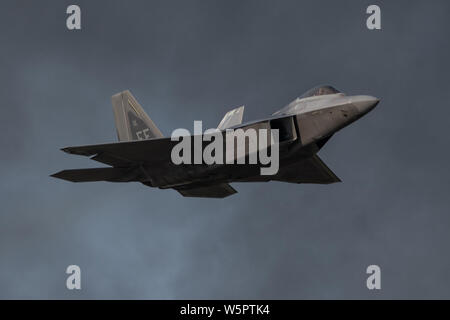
(143, 154)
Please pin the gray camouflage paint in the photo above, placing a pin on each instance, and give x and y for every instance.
(194, 60)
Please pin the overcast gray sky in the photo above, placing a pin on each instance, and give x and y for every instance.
(195, 60)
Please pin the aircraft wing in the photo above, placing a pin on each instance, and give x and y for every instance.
(124, 154)
(98, 174)
(311, 170)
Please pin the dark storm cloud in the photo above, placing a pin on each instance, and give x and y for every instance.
(195, 60)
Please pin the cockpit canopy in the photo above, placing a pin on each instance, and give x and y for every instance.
(319, 91)
(298, 103)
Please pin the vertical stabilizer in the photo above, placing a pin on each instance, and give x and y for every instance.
(132, 123)
(232, 118)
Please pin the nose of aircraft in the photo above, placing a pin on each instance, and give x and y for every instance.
(364, 104)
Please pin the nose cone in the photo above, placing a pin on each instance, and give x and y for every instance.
(364, 104)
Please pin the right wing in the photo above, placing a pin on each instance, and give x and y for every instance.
(311, 170)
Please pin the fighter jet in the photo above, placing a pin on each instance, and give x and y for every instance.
(143, 154)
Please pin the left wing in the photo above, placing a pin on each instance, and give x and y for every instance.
(98, 174)
(124, 154)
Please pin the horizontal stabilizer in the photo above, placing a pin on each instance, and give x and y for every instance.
(210, 191)
(97, 174)
(232, 118)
